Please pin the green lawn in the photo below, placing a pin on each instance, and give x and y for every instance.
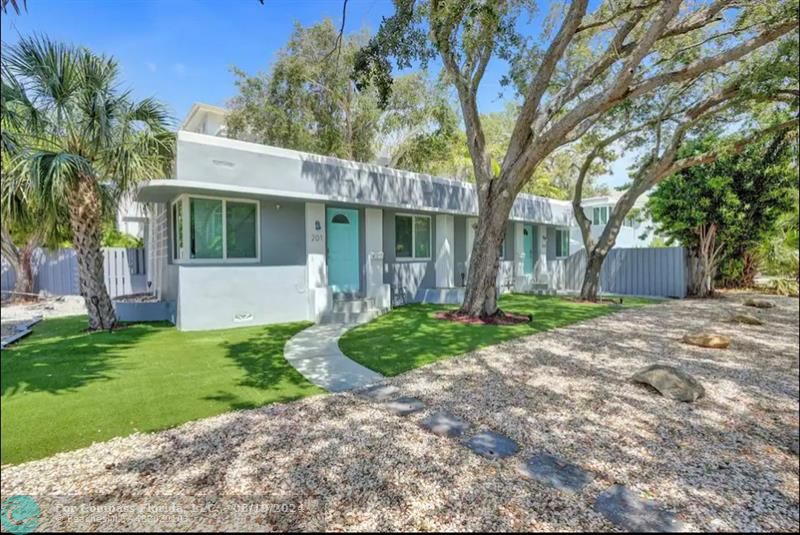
(64, 389)
(409, 336)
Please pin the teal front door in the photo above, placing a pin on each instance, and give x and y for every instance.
(342, 235)
(528, 239)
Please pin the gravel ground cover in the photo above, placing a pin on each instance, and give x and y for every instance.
(343, 462)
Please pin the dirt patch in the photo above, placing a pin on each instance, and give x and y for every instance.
(505, 318)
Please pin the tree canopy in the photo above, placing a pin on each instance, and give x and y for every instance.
(742, 196)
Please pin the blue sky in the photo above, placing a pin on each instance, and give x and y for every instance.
(180, 51)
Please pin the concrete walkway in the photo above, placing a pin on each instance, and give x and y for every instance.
(315, 353)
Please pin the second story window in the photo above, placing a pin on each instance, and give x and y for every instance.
(600, 215)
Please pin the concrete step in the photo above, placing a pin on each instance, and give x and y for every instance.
(353, 306)
(349, 317)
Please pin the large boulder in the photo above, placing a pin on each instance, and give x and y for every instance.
(670, 382)
(747, 319)
(758, 303)
(714, 341)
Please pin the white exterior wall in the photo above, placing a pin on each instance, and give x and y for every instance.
(445, 251)
(237, 296)
(379, 292)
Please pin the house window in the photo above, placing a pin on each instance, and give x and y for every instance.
(412, 237)
(208, 229)
(600, 215)
(562, 243)
(241, 221)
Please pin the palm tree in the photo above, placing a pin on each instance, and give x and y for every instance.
(76, 142)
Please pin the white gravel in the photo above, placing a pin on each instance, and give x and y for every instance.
(337, 462)
(49, 307)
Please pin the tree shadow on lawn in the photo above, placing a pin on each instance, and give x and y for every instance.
(261, 359)
(59, 356)
(410, 336)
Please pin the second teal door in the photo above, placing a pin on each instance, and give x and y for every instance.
(342, 242)
(528, 239)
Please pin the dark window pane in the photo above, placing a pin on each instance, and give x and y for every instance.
(241, 229)
(403, 240)
(205, 228)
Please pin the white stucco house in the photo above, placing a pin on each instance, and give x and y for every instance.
(248, 234)
(636, 230)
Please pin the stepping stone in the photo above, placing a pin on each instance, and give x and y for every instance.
(713, 341)
(404, 406)
(554, 472)
(631, 513)
(379, 392)
(444, 424)
(757, 303)
(670, 382)
(747, 319)
(492, 445)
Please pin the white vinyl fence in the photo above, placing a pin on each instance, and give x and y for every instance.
(657, 271)
(56, 272)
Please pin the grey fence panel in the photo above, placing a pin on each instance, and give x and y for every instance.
(57, 272)
(638, 271)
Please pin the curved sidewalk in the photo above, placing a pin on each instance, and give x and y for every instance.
(315, 353)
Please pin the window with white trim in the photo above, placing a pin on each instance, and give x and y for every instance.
(600, 215)
(562, 243)
(412, 237)
(215, 229)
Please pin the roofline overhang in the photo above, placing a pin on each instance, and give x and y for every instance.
(164, 190)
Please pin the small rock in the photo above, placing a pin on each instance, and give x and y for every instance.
(442, 423)
(714, 341)
(404, 406)
(746, 319)
(554, 472)
(758, 303)
(492, 445)
(621, 507)
(670, 382)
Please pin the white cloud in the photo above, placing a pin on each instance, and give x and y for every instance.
(179, 69)
(152, 67)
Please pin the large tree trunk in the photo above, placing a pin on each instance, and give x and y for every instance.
(703, 267)
(480, 299)
(591, 277)
(85, 210)
(21, 261)
(23, 286)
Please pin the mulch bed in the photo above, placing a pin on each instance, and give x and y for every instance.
(503, 318)
(600, 301)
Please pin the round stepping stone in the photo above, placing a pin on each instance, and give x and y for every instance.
(404, 406)
(492, 445)
(631, 513)
(757, 303)
(554, 472)
(747, 319)
(445, 424)
(713, 341)
(379, 392)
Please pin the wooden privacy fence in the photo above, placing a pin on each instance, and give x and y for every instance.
(56, 272)
(657, 271)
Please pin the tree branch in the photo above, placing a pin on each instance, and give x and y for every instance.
(522, 129)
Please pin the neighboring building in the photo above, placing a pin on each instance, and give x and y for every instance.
(132, 217)
(636, 230)
(249, 234)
